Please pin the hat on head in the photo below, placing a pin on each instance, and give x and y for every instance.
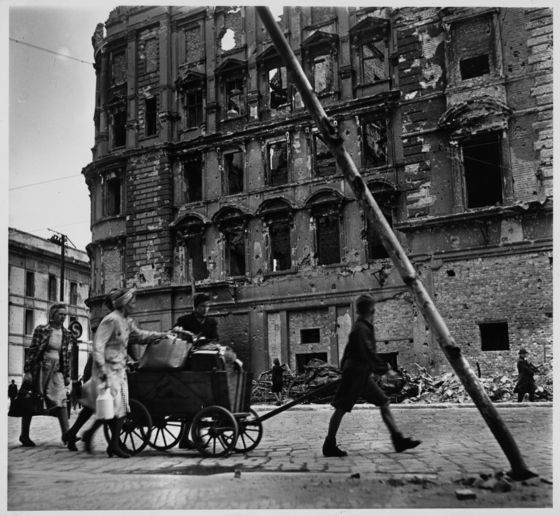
(200, 298)
(523, 351)
(364, 302)
(121, 297)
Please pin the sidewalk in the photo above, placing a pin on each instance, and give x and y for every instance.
(287, 469)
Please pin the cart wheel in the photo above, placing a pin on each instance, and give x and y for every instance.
(250, 433)
(214, 431)
(166, 433)
(136, 429)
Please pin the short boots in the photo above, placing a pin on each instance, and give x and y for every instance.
(330, 449)
(402, 443)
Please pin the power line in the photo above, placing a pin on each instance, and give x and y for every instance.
(44, 182)
(50, 51)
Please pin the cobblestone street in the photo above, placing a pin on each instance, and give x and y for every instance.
(287, 469)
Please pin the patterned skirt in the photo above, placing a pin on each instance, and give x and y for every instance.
(51, 383)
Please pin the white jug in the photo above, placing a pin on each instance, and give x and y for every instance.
(104, 407)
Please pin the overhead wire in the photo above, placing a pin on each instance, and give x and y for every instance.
(50, 51)
(44, 182)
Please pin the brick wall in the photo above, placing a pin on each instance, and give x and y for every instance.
(149, 247)
(516, 289)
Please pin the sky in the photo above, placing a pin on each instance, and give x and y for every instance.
(51, 107)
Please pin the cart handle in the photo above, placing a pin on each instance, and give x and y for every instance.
(319, 390)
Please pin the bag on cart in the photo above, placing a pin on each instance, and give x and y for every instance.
(168, 354)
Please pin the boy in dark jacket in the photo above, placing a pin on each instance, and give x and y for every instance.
(526, 381)
(360, 359)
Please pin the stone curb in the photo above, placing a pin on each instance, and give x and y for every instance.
(367, 406)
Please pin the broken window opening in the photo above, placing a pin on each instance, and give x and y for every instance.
(375, 247)
(233, 169)
(113, 197)
(234, 97)
(194, 248)
(192, 173)
(235, 251)
(325, 164)
(280, 247)
(328, 238)
(29, 323)
(150, 115)
(373, 61)
(494, 336)
(302, 359)
(374, 143)
(278, 87)
(474, 66)
(322, 74)
(73, 293)
(119, 128)
(193, 108)
(483, 175)
(227, 41)
(310, 335)
(29, 283)
(278, 163)
(52, 287)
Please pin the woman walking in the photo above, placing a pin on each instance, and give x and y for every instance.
(110, 344)
(47, 370)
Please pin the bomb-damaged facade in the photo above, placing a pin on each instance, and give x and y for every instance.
(207, 171)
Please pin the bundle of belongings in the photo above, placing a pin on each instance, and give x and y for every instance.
(175, 354)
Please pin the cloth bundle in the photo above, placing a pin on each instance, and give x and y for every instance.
(168, 354)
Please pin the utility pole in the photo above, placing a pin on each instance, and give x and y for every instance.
(397, 254)
(61, 239)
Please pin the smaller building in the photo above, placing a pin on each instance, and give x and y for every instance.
(34, 284)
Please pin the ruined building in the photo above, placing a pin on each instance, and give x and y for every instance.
(208, 174)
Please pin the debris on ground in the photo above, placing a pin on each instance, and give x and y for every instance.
(465, 494)
(417, 386)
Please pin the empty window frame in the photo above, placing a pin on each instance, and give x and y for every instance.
(277, 87)
(322, 74)
(233, 171)
(113, 196)
(195, 261)
(29, 283)
(374, 142)
(28, 324)
(234, 96)
(372, 61)
(482, 161)
(119, 128)
(277, 154)
(494, 336)
(150, 116)
(302, 359)
(328, 237)
(235, 251)
(193, 107)
(52, 287)
(325, 164)
(375, 249)
(73, 293)
(310, 335)
(474, 66)
(192, 172)
(280, 246)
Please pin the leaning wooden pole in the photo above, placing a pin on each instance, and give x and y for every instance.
(394, 249)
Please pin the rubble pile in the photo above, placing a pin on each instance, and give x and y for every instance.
(447, 388)
(416, 387)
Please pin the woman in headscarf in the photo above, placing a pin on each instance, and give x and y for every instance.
(47, 370)
(110, 344)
